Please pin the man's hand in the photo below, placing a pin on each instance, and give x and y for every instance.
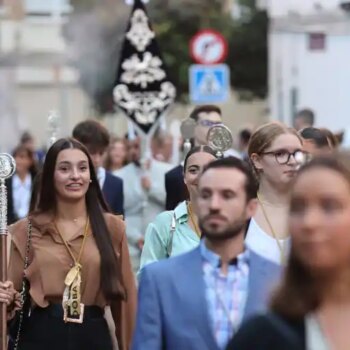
(145, 183)
(7, 293)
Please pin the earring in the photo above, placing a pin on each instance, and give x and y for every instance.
(90, 180)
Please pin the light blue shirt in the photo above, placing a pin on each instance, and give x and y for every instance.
(159, 236)
(226, 295)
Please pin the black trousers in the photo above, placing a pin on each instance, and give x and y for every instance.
(46, 330)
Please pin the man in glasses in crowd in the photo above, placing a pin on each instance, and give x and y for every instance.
(205, 117)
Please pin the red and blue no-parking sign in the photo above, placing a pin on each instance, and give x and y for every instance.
(208, 47)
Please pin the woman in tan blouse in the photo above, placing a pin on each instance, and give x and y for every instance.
(78, 261)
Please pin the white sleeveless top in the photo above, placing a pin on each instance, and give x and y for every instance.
(315, 338)
(265, 245)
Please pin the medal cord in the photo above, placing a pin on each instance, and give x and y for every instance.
(76, 261)
(280, 247)
(190, 214)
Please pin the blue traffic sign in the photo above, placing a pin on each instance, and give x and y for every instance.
(209, 84)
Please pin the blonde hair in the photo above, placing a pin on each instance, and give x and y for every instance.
(263, 137)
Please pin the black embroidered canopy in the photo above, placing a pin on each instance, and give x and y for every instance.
(142, 90)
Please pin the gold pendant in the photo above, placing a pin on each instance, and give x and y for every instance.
(73, 308)
(75, 317)
(72, 274)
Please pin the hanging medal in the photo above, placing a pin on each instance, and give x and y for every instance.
(73, 309)
(72, 306)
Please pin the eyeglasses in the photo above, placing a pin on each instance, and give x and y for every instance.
(208, 123)
(283, 156)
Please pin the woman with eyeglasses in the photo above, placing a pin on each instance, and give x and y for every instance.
(275, 153)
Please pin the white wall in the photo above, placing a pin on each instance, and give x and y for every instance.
(322, 79)
(278, 8)
(33, 88)
(32, 35)
(35, 102)
(54, 7)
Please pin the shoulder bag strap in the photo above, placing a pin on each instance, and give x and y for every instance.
(171, 234)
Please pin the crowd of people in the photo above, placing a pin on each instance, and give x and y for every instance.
(245, 251)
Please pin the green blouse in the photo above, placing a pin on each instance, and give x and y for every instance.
(169, 229)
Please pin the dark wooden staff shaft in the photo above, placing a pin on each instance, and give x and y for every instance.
(3, 250)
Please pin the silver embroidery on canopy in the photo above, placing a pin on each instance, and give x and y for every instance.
(142, 72)
(140, 35)
(145, 105)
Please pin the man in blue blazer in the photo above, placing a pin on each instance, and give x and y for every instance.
(95, 137)
(176, 190)
(112, 190)
(196, 301)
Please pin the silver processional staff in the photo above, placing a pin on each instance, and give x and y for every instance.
(7, 169)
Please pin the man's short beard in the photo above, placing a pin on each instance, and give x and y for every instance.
(238, 228)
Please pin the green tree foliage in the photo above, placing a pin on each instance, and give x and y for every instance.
(175, 22)
(248, 51)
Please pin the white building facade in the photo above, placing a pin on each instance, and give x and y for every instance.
(309, 50)
(34, 70)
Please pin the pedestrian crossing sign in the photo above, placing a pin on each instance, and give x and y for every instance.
(209, 83)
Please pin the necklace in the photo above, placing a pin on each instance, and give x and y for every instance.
(193, 221)
(71, 302)
(279, 244)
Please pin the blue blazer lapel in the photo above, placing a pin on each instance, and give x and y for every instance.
(106, 184)
(194, 288)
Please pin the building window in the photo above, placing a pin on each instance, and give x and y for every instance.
(46, 7)
(317, 41)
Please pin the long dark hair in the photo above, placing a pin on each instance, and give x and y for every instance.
(111, 278)
(198, 149)
(299, 292)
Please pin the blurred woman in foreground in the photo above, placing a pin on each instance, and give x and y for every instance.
(311, 309)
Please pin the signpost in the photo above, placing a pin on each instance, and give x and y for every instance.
(208, 47)
(209, 84)
(209, 79)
